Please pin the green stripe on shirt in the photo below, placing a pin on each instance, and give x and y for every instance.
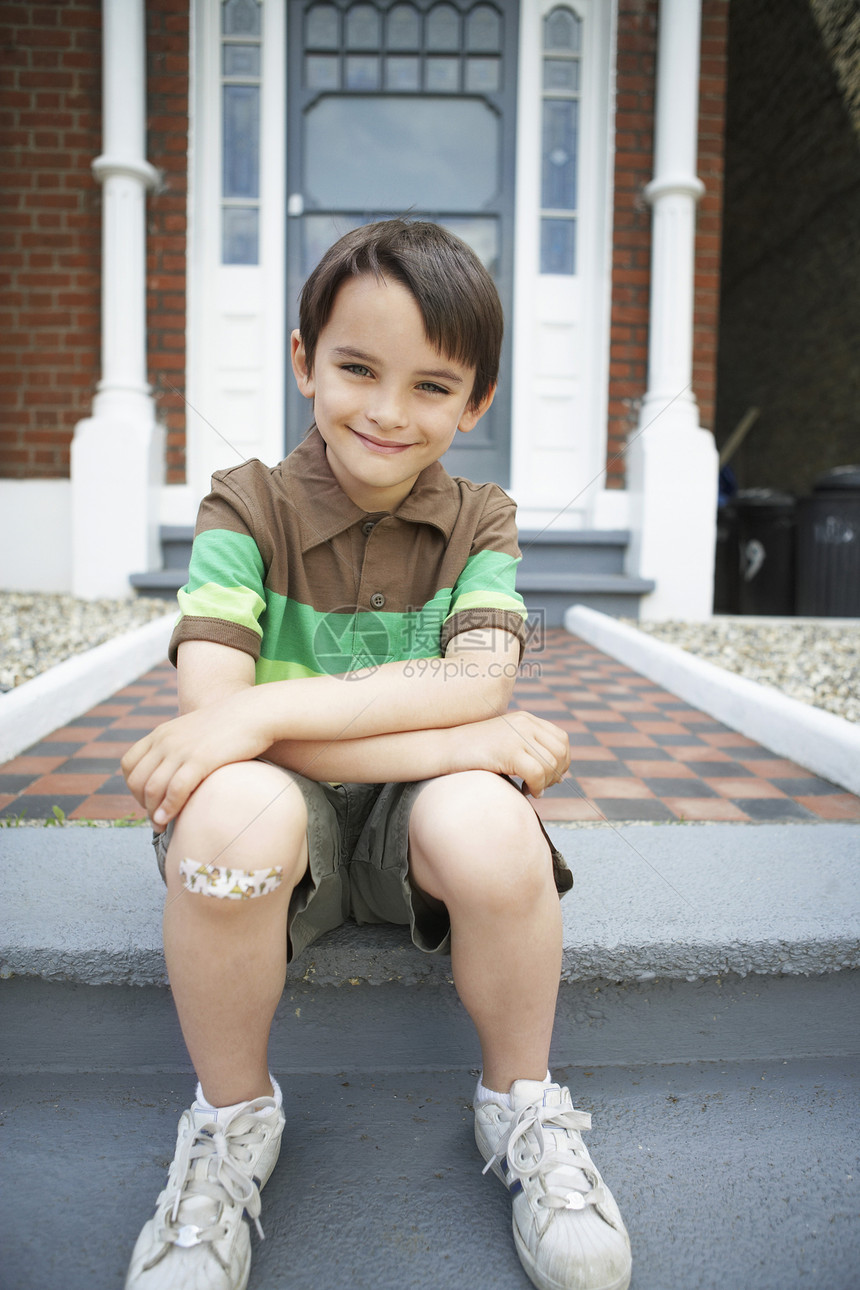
(488, 581)
(234, 604)
(311, 642)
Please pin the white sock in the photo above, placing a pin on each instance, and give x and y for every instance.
(225, 1113)
(484, 1094)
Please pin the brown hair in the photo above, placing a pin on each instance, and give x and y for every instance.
(456, 296)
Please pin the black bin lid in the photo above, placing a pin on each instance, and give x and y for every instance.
(839, 480)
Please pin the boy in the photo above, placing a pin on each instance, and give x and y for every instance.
(359, 557)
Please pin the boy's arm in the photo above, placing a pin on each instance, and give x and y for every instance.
(517, 744)
(520, 744)
(472, 683)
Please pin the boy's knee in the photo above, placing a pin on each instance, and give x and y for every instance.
(248, 818)
(476, 829)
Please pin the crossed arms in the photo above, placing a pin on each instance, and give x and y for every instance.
(402, 721)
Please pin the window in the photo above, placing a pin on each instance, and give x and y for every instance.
(402, 49)
(240, 131)
(562, 46)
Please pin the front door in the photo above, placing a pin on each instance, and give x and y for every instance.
(407, 108)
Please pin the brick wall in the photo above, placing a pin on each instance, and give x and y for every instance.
(631, 257)
(709, 167)
(50, 128)
(50, 209)
(167, 148)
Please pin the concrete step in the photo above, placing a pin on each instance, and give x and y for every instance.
(163, 583)
(677, 902)
(176, 542)
(551, 595)
(740, 1175)
(708, 1018)
(565, 550)
(578, 567)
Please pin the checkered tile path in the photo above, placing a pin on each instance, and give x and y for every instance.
(638, 752)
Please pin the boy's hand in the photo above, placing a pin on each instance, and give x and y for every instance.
(163, 769)
(518, 744)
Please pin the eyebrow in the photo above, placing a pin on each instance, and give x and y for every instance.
(438, 374)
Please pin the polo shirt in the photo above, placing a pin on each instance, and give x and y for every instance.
(287, 568)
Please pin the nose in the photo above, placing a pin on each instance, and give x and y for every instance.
(386, 408)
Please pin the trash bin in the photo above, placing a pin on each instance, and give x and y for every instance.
(828, 546)
(727, 561)
(766, 521)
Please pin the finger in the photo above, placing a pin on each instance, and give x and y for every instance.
(180, 785)
(133, 755)
(535, 773)
(148, 777)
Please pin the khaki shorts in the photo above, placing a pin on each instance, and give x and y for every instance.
(358, 865)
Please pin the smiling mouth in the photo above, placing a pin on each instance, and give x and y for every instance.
(384, 446)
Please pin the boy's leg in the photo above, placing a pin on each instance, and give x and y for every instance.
(226, 957)
(476, 846)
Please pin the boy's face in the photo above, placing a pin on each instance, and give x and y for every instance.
(386, 402)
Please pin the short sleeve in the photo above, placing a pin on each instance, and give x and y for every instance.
(225, 593)
(485, 593)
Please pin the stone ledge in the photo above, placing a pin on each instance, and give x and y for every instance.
(683, 902)
(66, 691)
(818, 740)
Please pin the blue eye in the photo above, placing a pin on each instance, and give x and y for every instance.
(357, 369)
(432, 387)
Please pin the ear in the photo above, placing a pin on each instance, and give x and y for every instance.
(303, 375)
(472, 415)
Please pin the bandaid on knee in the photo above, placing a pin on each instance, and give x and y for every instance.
(229, 884)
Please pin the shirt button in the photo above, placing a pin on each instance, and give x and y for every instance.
(377, 600)
(368, 527)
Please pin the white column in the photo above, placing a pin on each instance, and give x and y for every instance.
(672, 461)
(117, 452)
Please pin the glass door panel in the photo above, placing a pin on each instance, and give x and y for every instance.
(407, 110)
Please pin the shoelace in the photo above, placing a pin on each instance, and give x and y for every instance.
(211, 1164)
(569, 1177)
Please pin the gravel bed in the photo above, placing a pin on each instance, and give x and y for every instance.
(39, 629)
(816, 661)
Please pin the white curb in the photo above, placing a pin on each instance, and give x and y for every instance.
(57, 696)
(818, 740)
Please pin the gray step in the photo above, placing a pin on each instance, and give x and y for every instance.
(176, 542)
(551, 595)
(580, 550)
(163, 583)
(670, 902)
(737, 1176)
(708, 1019)
(578, 567)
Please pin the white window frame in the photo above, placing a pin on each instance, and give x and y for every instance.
(561, 323)
(236, 341)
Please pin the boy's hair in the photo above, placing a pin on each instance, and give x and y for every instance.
(457, 297)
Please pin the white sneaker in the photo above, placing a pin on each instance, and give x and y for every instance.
(198, 1239)
(568, 1229)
